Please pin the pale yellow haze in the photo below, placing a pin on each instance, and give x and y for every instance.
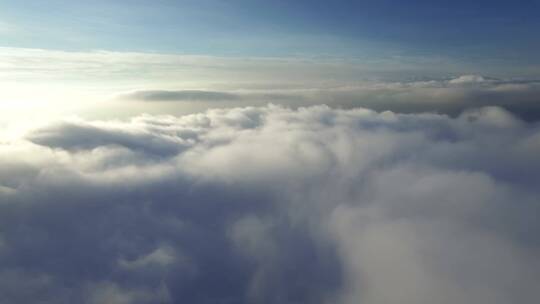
(36, 83)
(42, 85)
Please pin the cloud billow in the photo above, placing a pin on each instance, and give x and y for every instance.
(273, 205)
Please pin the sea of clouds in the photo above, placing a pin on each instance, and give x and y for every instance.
(273, 205)
(449, 96)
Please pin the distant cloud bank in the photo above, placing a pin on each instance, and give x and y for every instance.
(452, 96)
(37, 80)
(275, 205)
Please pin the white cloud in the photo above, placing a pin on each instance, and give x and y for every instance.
(274, 205)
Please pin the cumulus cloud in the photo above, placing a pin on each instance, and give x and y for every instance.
(273, 205)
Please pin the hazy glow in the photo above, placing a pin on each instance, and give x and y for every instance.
(39, 83)
(269, 152)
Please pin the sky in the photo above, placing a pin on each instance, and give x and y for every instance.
(73, 57)
(269, 152)
(499, 29)
(49, 48)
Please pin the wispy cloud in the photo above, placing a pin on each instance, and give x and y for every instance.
(137, 68)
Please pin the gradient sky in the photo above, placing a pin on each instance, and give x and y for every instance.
(496, 29)
(58, 55)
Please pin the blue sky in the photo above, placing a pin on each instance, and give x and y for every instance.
(500, 30)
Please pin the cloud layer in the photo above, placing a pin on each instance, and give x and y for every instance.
(273, 205)
(451, 96)
(180, 95)
(97, 83)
